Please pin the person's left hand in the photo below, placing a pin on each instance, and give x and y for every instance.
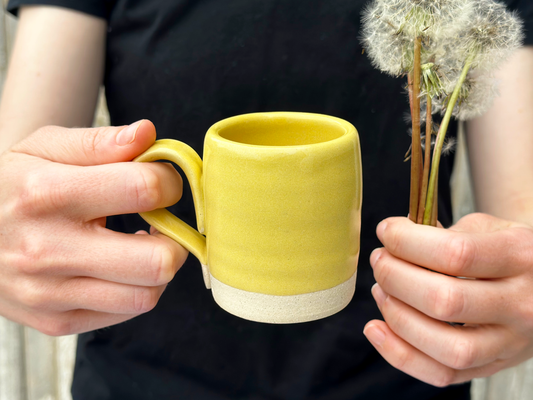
(496, 307)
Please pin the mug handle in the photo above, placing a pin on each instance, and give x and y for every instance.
(166, 222)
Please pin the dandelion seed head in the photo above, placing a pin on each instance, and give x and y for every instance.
(481, 93)
(429, 18)
(389, 29)
(493, 34)
(475, 98)
(452, 32)
(388, 50)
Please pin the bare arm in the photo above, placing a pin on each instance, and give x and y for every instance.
(501, 145)
(55, 72)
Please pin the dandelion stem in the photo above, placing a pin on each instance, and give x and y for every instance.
(435, 211)
(440, 141)
(410, 91)
(427, 160)
(416, 149)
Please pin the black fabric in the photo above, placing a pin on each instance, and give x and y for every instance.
(97, 8)
(187, 64)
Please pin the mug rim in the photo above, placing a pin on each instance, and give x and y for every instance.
(214, 130)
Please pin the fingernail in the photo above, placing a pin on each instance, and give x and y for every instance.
(380, 229)
(375, 335)
(374, 257)
(379, 295)
(127, 135)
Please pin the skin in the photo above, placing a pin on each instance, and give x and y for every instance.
(55, 51)
(496, 250)
(62, 272)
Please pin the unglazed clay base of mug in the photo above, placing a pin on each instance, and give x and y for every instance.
(283, 309)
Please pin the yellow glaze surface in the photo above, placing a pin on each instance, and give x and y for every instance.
(279, 196)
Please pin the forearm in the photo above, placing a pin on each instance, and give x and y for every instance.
(54, 74)
(501, 144)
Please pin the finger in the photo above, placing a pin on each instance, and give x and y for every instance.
(104, 190)
(64, 323)
(89, 146)
(94, 294)
(458, 347)
(80, 321)
(88, 193)
(92, 192)
(479, 255)
(440, 296)
(403, 356)
(143, 260)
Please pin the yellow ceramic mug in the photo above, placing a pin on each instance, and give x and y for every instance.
(278, 198)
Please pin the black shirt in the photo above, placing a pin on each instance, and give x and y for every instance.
(186, 65)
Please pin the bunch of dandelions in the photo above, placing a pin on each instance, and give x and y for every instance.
(447, 49)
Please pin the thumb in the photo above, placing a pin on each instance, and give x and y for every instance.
(89, 146)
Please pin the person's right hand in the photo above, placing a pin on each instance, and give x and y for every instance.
(61, 270)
